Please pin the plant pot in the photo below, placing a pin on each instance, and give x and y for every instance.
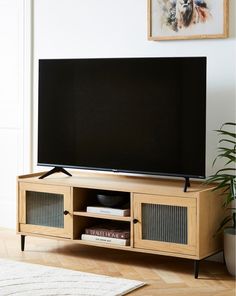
(230, 249)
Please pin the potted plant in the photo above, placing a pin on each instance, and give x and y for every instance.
(226, 178)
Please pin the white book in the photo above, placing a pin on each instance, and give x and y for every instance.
(108, 211)
(106, 240)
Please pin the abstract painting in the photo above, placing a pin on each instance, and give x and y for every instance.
(187, 19)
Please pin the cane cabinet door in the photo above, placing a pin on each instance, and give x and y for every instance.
(165, 223)
(45, 209)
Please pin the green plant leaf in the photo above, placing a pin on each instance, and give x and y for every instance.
(229, 198)
(225, 170)
(225, 178)
(227, 150)
(224, 153)
(226, 133)
(224, 183)
(227, 141)
(229, 123)
(231, 160)
(223, 223)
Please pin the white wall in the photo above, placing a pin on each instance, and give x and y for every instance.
(15, 156)
(9, 110)
(105, 28)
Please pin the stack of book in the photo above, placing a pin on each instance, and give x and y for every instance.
(108, 234)
(108, 211)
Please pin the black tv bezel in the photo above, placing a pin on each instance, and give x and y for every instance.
(131, 172)
(123, 172)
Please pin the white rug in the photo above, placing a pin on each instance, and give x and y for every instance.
(23, 279)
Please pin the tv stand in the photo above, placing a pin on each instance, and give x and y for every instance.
(162, 219)
(55, 170)
(186, 184)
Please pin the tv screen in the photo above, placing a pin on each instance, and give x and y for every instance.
(132, 115)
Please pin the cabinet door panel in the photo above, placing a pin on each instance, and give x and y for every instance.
(165, 223)
(45, 209)
(41, 209)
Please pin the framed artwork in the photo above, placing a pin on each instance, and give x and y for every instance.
(187, 19)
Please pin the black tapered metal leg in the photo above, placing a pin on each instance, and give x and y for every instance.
(196, 268)
(22, 242)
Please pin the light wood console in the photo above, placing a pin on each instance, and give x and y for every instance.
(163, 219)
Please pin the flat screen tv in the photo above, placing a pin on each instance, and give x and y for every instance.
(128, 115)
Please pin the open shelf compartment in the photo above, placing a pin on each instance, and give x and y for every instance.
(82, 225)
(84, 197)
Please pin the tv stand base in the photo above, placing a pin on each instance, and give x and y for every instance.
(55, 170)
(192, 225)
(186, 184)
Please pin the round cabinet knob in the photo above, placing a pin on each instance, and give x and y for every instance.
(65, 212)
(135, 221)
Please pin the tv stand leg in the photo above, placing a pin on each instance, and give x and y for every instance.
(196, 268)
(22, 238)
(186, 184)
(55, 170)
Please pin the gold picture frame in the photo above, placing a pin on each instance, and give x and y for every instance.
(188, 19)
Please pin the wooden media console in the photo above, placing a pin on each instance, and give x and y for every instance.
(163, 219)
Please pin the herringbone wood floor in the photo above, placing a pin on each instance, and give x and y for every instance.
(163, 275)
